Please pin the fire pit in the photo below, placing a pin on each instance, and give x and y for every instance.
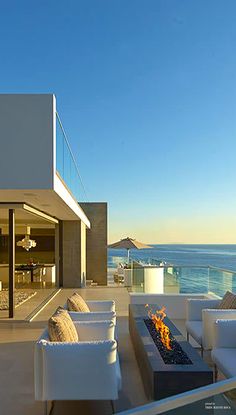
(175, 355)
(168, 363)
(170, 350)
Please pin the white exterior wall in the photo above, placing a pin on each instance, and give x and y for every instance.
(65, 195)
(26, 138)
(28, 156)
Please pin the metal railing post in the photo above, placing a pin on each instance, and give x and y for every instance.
(11, 253)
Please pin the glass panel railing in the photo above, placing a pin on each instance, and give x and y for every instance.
(59, 150)
(138, 279)
(66, 165)
(171, 280)
(221, 281)
(193, 279)
(115, 261)
(175, 279)
(186, 280)
(217, 398)
(178, 279)
(218, 404)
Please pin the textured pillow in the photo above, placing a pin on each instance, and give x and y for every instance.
(77, 303)
(228, 301)
(61, 327)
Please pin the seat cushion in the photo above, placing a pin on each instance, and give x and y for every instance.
(228, 301)
(225, 360)
(194, 328)
(61, 327)
(77, 303)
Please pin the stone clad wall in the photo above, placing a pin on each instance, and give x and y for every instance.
(72, 254)
(85, 251)
(96, 261)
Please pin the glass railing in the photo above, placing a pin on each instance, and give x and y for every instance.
(187, 279)
(181, 279)
(66, 165)
(221, 281)
(115, 261)
(217, 398)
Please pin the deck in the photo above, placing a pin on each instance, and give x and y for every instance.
(16, 360)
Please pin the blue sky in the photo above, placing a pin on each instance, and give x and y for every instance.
(146, 91)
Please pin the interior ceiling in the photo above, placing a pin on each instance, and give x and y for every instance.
(23, 218)
(47, 201)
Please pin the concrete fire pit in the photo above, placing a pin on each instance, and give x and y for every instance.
(160, 379)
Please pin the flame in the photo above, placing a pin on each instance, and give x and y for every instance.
(160, 326)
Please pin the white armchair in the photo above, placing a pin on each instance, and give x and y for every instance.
(99, 311)
(223, 353)
(201, 317)
(105, 305)
(85, 370)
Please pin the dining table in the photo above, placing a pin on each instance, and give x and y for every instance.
(30, 268)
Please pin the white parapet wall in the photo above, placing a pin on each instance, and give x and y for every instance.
(175, 303)
(27, 159)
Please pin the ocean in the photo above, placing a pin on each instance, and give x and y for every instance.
(220, 256)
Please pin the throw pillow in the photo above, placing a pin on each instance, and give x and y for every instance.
(228, 301)
(61, 327)
(77, 303)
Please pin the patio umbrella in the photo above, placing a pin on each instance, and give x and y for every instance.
(129, 243)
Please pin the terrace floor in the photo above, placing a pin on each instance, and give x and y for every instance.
(24, 310)
(16, 360)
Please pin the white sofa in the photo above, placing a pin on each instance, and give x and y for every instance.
(201, 317)
(85, 370)
(223, 353)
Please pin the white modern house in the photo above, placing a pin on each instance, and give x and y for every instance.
(51, 238)
(40, 191)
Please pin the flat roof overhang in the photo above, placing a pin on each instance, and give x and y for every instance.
(47, 201)
(29, 209)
